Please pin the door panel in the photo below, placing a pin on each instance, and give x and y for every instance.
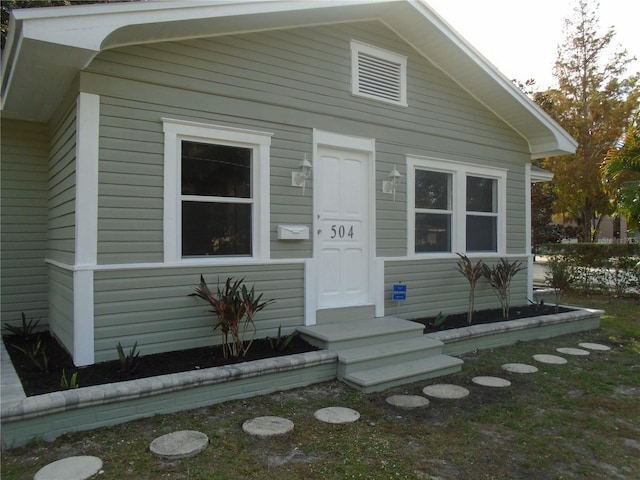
(342, 220)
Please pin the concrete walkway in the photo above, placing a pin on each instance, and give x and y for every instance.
(10, 387)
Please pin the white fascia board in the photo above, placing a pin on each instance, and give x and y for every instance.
(457, 58)
(77, 33)
(87, 26)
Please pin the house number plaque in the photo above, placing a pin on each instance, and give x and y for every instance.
(340, 231)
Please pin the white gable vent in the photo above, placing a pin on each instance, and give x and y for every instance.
(378, 74)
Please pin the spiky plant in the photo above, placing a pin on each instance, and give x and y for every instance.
(499, 277)
(472, 273)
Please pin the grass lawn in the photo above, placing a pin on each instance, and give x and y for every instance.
(575, 421)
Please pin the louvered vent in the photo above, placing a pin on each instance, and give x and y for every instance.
(378, 74)
(379, 77)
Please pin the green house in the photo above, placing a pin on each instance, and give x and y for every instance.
(324, 151)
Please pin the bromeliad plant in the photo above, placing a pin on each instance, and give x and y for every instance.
(235, 307)
(499, 277)
(25, 332)
(129, 362)
(472, 273)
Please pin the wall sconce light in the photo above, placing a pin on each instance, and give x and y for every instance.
(300, 176)
(390, 186)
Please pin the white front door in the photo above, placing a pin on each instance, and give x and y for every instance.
(342, 227)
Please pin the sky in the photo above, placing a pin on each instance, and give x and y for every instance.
(521, 37)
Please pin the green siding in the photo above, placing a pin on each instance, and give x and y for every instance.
(287, 83)
(61, 305)
(62, 188)
(153, 306)
(435, 286)
(23, 226)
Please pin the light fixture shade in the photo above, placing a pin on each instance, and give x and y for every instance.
(390, 186)
(305, 167)
(300, 176)
(393, 174)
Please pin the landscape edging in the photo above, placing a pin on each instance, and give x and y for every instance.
(35, 416)
(491, 335)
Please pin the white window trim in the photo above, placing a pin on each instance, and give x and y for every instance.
(260, 142)
(357, 47)
(459, 172)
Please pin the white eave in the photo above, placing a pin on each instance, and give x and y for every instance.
(47, 47)
(540, 175)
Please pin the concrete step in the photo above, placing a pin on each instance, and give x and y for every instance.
(359, 333)
(381, 378)
(342, 314)
(388, 353)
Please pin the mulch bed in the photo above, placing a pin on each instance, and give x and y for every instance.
(459, 320)
(35, 382)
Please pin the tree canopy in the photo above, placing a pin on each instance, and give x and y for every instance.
(621, 174)
(594, 102)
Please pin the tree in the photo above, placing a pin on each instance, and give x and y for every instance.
(593, 102)
(621, 173)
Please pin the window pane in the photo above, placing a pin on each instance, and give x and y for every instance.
(216, 229)
(433, 190)
(482, 234)
(216, 170)
(433, 232)
(481, 194)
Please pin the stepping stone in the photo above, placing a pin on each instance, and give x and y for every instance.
(267, 426)
(550, 359)
(336, 415)
(572, 351)
(71, 468)
(495, 382)
(595, 346)
(519, 368)
(447, 391)
(181, 444)
(408, 401)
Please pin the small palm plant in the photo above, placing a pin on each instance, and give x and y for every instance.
(499, 277)
(472, 273)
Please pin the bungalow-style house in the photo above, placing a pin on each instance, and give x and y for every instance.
(324, 151)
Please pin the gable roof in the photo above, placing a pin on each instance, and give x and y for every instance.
(47, 47)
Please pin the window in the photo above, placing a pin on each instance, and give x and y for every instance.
(433, 210)
(455, 207)
(216, 192)
(217, 201)
(482, 214)
(378, 74)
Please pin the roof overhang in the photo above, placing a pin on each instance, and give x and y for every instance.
(47, 47)
(540, 175)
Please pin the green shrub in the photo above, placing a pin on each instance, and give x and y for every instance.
(600, 267)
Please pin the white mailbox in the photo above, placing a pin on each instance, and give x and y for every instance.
(293, 232)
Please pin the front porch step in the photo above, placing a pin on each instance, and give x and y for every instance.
(388, 353)
(381, 378)
(359, 333)
(379, 353)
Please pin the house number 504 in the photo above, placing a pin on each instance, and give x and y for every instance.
(340, 231)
